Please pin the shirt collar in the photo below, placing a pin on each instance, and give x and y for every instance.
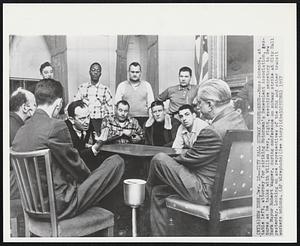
(126, 121)
(194, 128)
(78, 132)
(96, 85)
(185, 87)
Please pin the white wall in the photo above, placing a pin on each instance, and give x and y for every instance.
(82, 52)
(174, 52)
(26, 55)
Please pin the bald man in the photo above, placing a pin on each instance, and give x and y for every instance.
(21, 106)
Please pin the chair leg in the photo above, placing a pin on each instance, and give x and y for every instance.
(26, 221)
(14, 227)
(109, 231)
(214, 228)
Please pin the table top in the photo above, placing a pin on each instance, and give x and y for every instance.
(138, 150)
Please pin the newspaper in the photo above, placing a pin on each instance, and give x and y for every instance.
(268, 183)
(274, 76)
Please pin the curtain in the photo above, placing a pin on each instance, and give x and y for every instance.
(57, 45)
(152, 67)
(121, 67)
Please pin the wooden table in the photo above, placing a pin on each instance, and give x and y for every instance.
(137, 159)
(137, 150)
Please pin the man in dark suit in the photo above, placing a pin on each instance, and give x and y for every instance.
(76, 187)
(21, 107)
(191, 174)
(82, 133)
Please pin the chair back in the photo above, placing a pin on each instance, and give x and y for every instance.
(233, 181)
(35, 182)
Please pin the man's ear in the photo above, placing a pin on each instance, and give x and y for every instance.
(211, 104)
(194, 115)
(24, 108)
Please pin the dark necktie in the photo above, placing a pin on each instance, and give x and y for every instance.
(82, 136)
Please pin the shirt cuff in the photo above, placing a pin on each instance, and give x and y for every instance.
(95, 152)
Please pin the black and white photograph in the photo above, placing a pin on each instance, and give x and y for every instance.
(148, 127)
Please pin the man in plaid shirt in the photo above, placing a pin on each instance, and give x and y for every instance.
(122, 125)
(97, 96)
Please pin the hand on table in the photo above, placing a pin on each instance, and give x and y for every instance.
(135, 138)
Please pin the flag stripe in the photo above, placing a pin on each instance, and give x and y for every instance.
(201, 58)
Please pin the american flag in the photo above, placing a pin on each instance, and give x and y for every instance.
(201, 58)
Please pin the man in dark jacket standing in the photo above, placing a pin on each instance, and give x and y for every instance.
(191, 174)
(160, 129)
(76, 187)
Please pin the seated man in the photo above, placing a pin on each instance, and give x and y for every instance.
(126, 129)
(76, 188)
(192, 174)
(21, 106)
(160, 129)
(189, 129)
(82, 133)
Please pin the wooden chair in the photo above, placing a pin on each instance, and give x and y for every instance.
(39, 205)
(232, 192)
(16, 217)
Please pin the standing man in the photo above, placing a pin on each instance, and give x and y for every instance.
(136, 92)
(181, 94)
(122, 125)
(46, 70)
(76, 188)
(22, 105)
(192, 173)
(160, 129)
(189, 129)
(97, 96)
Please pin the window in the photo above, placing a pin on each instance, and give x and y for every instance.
(28, 84)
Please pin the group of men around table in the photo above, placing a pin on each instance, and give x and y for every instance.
(82, 179)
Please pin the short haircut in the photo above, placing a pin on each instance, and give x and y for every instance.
(135, 64)
(187, 106)
(73, 105)
(157, 103)
(96, 63)
(215, 90)
(185, 69)
(17, 99)
(47, 91)
(45, 64)
(124, 102)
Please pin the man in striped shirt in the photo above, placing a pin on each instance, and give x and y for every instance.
(122, 125)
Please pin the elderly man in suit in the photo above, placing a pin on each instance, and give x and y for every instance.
(76, 187)
(192, 174)
(21, 106)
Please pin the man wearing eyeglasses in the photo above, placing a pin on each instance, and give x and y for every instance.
(83, 134)
(192, 173)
